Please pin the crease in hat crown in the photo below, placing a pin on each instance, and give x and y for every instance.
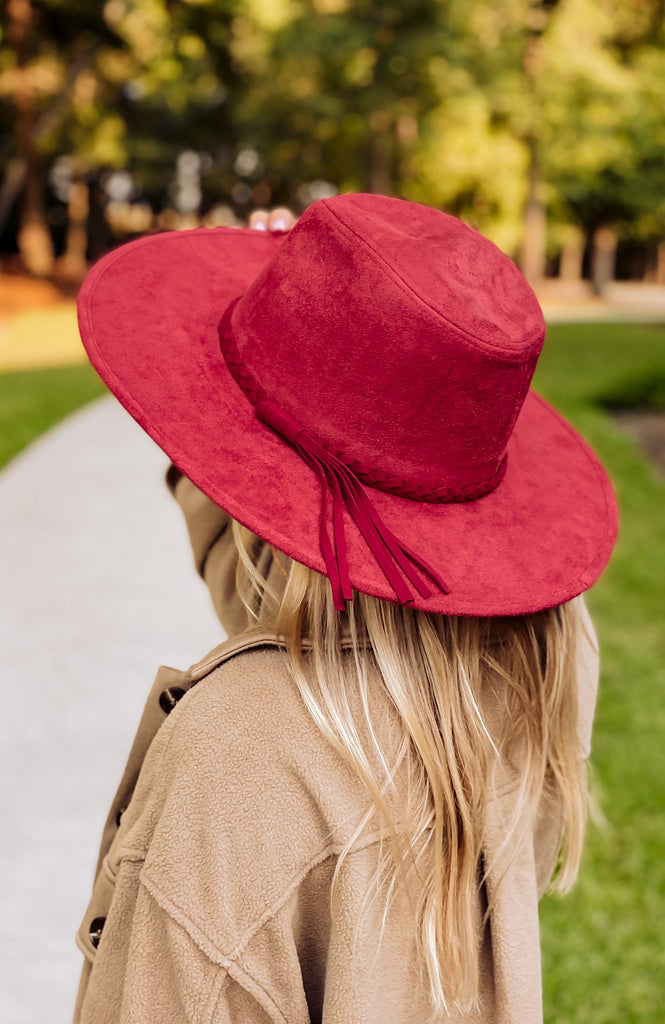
(399, 337)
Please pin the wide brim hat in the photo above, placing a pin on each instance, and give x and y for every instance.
(356, 392)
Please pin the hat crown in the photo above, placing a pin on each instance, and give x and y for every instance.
(400, 337)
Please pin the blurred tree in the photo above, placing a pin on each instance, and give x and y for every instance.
(549, 110)
(338, 89)
(100, 87)
(178, 88)
(605, 141)
(518, 116)
(483, 146)
(23, 172)
(46, 61)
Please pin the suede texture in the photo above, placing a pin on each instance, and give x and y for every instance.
(217, 859)
(403, 340)
(428, 393)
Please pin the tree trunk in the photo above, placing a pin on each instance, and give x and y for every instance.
(380, 154)
(660, 263)
(34, 238)
(572, 254)
(603, 257)
(13, 180)
(99, 237)
(654, 264)
(533, 254)
(73, 262)
(534, 241)
(406, 133)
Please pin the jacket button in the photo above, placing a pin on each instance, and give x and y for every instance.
(96, 929)
(170, 697)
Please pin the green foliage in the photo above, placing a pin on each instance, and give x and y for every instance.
(179, 85)
(64, 57)
(644, 391)
(469, 105)
(126, 83)
(604, 137)
(337, 90)
(470, 164)
(558, 87)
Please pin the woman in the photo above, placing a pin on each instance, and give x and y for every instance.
(349, 810)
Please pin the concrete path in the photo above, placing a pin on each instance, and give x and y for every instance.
(622, 301)
(97, 589)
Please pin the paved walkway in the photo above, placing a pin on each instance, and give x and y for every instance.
(628, 301)
(97, 589)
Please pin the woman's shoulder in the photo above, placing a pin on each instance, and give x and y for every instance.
(241, 795)
(245, 755)
(248, 721)
(243, 697)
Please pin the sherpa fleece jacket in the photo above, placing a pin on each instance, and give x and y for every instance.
(211, 903)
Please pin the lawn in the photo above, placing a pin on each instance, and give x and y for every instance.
(31, 401)
(603, 946)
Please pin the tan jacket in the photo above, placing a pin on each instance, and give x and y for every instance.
(211, 902)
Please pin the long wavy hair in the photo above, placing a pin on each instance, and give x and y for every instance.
(433, 669)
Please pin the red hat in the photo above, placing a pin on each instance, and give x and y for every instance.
(357, 393)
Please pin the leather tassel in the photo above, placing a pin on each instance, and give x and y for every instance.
(342, 487)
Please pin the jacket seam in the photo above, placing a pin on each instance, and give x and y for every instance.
(132, 856)
(203, 940)
(255, 990)
(216, 989)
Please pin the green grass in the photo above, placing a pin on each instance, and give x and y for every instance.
(31, 401)
(603, 945)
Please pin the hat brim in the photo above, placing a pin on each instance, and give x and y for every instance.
(148, 316)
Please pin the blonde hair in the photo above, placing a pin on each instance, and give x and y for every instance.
(433, 668)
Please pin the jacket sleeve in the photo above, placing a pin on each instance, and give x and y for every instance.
(215, 553)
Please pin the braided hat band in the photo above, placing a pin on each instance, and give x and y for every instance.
(391, 484)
